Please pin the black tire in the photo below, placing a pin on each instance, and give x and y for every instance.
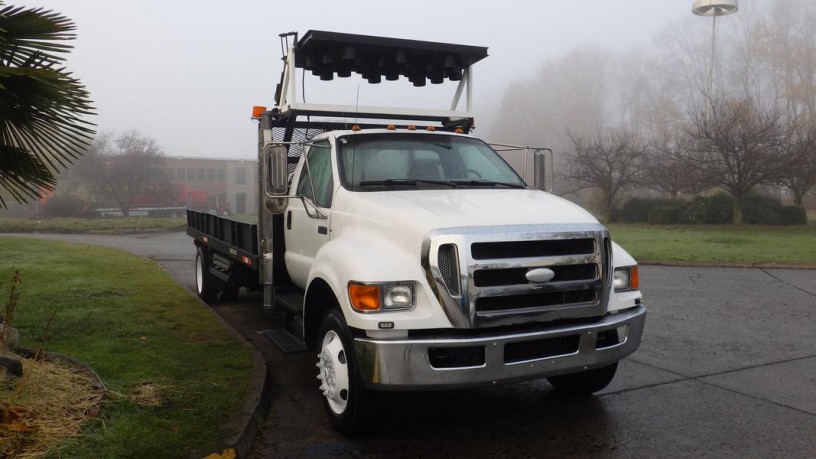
(586, 382)
(350, 405)
(207, 286)
(590, 381)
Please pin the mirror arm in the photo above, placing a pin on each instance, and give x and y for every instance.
(307, 203)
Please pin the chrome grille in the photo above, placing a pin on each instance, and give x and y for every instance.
(479, 274)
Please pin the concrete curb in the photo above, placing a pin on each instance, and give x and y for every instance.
(246, 423)
(254, 410)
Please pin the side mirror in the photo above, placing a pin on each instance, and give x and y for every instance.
(276, 177)
(541, 169)
(277, 169)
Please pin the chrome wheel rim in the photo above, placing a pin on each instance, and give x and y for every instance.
(334, 372)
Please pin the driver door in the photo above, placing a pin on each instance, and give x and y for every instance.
(308, 219)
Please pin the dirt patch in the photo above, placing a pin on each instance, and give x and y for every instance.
(53, 399)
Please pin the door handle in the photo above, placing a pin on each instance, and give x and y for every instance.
(323, 230)
(289, 220)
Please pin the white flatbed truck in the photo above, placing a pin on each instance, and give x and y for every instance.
(414, 257)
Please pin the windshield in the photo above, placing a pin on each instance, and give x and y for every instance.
(389, 161)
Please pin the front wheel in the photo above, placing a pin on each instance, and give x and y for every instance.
(590, 381)
(350, 405)
(206, 286)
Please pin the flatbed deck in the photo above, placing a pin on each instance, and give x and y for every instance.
(233, 239)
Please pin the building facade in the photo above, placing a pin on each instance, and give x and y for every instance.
(224, 186)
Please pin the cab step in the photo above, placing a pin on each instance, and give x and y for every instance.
(284, 341)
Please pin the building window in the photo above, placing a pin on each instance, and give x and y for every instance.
(191, 174)
(181, 174)
(240, 176)
(211, 175)
(202, 174)
(240, 203)
(221, 175)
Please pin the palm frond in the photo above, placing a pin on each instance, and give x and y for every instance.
(27, 32)
(22, 175)
(43, 108)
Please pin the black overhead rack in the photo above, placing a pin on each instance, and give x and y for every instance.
(328, 53)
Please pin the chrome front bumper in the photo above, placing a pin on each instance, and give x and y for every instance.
(406, 365)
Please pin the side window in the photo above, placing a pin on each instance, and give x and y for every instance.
(316, 181)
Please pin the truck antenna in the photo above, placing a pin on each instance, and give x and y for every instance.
(357, 105)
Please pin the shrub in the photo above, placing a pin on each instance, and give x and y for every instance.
(757, 209)
(638, 210)
(714, 210)
(792, 215)
(675, 214)
(760, 210)
(66, 205)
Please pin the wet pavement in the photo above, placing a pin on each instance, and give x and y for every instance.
(727, 368)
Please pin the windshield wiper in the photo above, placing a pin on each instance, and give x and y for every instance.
(406, 182)
(486, 183)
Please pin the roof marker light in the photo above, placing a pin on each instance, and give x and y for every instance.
(258, 110)
(356, 128)
(412, 127)
(430, 129)
(459, 131)
(391, 127)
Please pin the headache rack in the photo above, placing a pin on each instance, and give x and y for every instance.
(327, 54)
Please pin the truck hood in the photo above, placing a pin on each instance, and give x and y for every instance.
(413, 213)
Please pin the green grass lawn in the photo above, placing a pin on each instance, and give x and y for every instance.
(747, 245)
(719, 245)
(132, 324)
(114, 225)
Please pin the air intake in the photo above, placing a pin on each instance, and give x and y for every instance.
(449, 268)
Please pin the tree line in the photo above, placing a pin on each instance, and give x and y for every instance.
(654, 119)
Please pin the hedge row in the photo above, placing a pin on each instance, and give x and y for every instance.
(713, 210)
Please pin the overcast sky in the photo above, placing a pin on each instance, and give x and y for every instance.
(187, 73)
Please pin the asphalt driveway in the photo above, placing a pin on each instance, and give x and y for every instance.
(727, 368)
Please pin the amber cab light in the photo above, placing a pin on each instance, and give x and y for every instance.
(258, 110)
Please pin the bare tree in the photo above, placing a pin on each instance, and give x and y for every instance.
(736, 147)
(665, 171)
(610, 162)
(800, 177)
(119, 169)
(789, 46)
(567, 93)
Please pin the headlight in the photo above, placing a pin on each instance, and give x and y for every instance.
(381, 297)
(398, 296)
(626, 278)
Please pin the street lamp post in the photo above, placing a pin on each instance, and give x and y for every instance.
(713, 8)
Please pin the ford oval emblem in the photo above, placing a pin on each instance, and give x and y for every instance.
(540, 275)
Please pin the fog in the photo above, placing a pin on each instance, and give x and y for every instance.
(187, 73)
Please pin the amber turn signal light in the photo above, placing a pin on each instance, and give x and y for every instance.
(364, 298)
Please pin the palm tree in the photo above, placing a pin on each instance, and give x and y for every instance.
(42, 107)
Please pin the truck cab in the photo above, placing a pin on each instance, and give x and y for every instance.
(412, 256)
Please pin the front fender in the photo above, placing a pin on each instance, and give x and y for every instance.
(364, 258)
(627, 299)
